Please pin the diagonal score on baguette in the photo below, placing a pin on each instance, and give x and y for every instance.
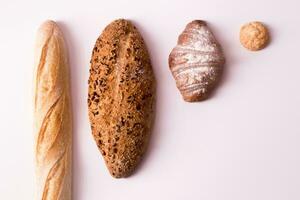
(52, 115)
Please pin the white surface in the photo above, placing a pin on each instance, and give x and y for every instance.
(242, 144)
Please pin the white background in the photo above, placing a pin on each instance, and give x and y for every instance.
(241, 144)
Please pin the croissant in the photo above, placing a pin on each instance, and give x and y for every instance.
(196, 62)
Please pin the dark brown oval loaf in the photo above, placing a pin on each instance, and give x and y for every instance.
(121, 97)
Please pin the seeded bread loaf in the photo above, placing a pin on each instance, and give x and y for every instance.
(121, 97)
(52, 115)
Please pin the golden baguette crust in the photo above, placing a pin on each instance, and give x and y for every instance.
(52, 115)
(121, 97)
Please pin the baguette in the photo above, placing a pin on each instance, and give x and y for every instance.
(52, 115)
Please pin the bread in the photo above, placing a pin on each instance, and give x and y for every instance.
(121, 97)
(254, 36)
(52, 115)
(196, 62)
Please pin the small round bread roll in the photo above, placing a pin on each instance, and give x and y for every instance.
(254, 36)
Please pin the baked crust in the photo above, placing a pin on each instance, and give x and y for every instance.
(52, 115)
(254, 36)
(196, 62)
(121, 97)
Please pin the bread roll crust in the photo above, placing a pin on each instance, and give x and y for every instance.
(52, 115)
(121, 97)
(254, 36)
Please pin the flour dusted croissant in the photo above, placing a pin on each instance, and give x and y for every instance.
(196, 62)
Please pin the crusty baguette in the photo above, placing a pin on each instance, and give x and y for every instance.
(52, 115)
(121, 97)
